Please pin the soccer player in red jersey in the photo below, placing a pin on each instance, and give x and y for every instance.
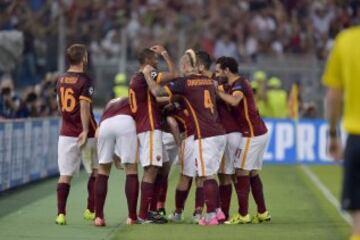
(183, 123)
(254, 142)
(117, 136)
(170, 154)
(147, 117)
(233, 136)
(76, 141)
(199, 93)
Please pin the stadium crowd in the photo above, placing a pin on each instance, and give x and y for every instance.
(240, 29)
(34, 101)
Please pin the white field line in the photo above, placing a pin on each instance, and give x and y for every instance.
(326, 192)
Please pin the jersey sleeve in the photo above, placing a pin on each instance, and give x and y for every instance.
(176, 87)
(87, 91)
(332, 74)
(237, 89)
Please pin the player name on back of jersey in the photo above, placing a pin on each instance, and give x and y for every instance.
(71, 88)
(199, 82)
(69, 80)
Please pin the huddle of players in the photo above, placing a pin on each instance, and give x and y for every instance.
(210, 119)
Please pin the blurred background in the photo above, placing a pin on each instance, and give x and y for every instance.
(281, 46)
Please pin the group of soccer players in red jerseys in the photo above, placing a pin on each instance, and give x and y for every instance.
(206, 121)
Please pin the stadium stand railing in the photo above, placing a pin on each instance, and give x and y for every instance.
(28, 151)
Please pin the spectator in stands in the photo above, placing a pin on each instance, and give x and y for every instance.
(225, 46)
(260, 80)
(5, 111)
(28, 107)
(277, 99)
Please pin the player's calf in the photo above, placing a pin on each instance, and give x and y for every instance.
(101, 188)
(63, 189)
(131, 191)
(242, 187)
(89, 213)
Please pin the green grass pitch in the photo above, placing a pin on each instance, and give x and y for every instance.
(299, 211)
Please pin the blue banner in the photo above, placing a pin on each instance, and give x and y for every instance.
(297, 142)
(28, 151)
(28, 148)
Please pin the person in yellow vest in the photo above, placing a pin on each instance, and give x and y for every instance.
(276, 98)
(342, 101)
(120, 88)
(261, 104)
(259, 81)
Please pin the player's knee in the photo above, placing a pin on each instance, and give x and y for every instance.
(104, 169)
(254, 173)
(184, 182)
(94, 172)
(130, 168)
(242, 172)
(65, 179)
(150, 173)
(225, 179)
(209, 177)
(199, 182)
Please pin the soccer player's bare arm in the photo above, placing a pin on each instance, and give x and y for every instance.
(85, 120)
(172, 72)
(233, 99)
(154, 87)
(174, 127)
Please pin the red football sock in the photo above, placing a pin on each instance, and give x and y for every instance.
(211, 193)
(132, 193)
(63, 190)
(147, 192)
(258, 194)
(199, 199)
(101, 187)
(225, 192)
(91, 193)
(180, 198)
(243, 191)
(162, 192)
(157, 187)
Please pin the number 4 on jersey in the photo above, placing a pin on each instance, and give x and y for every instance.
(207, 101)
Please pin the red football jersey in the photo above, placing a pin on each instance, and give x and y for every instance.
(143, 104)
(184, 119)
(199, 95)
(227, 119)
(72, 87)
(246, 112)
(117, 106)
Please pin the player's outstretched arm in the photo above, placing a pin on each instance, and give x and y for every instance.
(85, 120)
(172, 71)
(155, 89)
(233, 100)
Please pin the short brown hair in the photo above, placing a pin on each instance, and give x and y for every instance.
(144, 55)
(76, 53)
